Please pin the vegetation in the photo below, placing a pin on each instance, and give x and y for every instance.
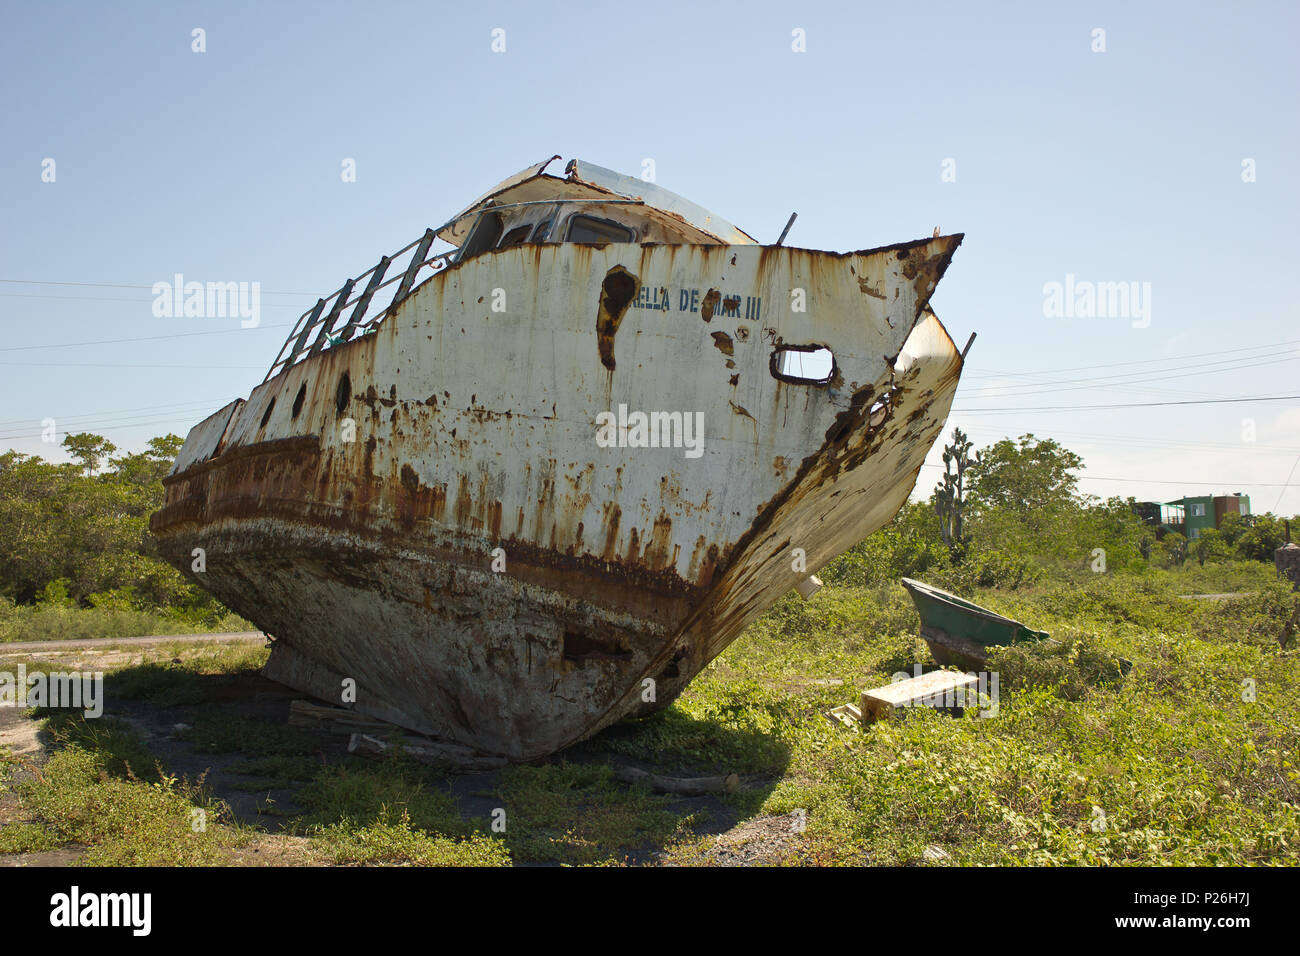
(1188, 756)
(78, 560)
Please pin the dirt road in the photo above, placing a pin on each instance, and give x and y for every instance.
(218, 636)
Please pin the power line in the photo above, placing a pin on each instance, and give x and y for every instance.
(1145, 441)
(1288, 482)
(119, 285)
(143, 338)
(108, 298)
(115, 411)
(120, 365)
(1083, 408)
(115, 426)
(1168, 481)
(1138, 384)
(1171, 358)
(1031, 388)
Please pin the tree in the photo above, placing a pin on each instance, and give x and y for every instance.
(1174, 546)
(1255, 537)
(65, 523)
(1028, 478)
(1212, 545)
(949, 503)
(147, 467)
(88, 449)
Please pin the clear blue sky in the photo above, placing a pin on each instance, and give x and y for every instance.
(1117, 166)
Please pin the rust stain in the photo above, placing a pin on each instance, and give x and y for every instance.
(865, 285)
(711, 300)
(722, 342)
(616, 294)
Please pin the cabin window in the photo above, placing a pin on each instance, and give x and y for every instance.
(484, 236)
(803, 364)
(540, 233)
(515, 236)
(591, 229)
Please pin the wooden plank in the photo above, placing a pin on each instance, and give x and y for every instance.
(423, 750)
(336, 720)
(695, 786)
(809, 586)
(941, 689)
(847, 714)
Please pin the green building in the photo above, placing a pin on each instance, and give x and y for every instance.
(1190, 516)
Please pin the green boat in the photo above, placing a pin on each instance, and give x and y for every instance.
(960, 632)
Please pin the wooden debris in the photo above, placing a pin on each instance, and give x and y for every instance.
(335, 720)
(694, 786)
(945, 690)
(809, 586)
(423, 750)
(371, 737)
(847, 714)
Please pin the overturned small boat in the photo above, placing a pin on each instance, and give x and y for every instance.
(553, 474)
(959, 631)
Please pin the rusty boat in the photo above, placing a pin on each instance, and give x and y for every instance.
(417, 505)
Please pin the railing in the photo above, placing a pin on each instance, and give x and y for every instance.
(321, 320)
(318, 324)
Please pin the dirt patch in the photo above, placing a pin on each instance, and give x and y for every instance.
(762, 840)
(276, 850)
(63, 856)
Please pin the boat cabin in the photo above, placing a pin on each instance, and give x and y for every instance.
(589, 204)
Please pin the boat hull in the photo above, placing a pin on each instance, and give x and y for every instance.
(426, 520)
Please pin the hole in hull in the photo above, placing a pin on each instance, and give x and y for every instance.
(803, 364)
(585, 647)
(344, 393)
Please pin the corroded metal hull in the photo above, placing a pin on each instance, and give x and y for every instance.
(426, 510)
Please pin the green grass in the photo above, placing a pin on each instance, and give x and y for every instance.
(578, 814)
(101, 788)
(388, 842)
(1180, 766)
(53, 623)
(392, 813)
(1189, 759)
(25, 837)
